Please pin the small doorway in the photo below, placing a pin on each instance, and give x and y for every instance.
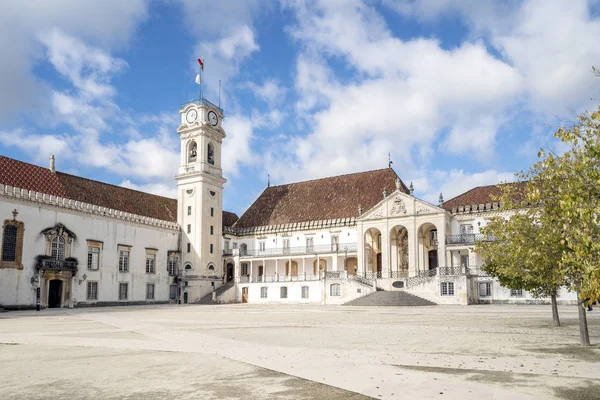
(379, 264)
(244, 295)
(229, 272)
(260, 273)
(433, 259)
(185, 297)
(54, 293)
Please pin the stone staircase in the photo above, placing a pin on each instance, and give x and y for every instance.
(390, 298)
(208, 298)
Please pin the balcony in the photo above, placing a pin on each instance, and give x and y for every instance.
(300, 250)
(47, 263)
(467, 239)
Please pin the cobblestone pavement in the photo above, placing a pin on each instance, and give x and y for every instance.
(297, 352)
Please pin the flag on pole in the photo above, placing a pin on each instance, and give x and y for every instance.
(197, 79)
(201, 64)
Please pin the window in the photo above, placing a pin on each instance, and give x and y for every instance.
(188, 266)
(335, 241)
(235, 245)
(261, 246)
(172, 265)
(263, 292)
(485, 289)
(283, 292)
(211, 154)
(58, 248)
(93, 259)
(173, 292)
(244, 269)
(286, 246)
(150, 261)
(466, 229)
(447, 288)
(227, 245)
(212, 230)
(211, 248)
(124, 260)
(464, 261)
(92, 291)
(189, 247)
(9, 244)
(310, 244)
(305, 292)
(189, 210)
(123, 291)
(433, 237)
(212, 212)
(516, 292)
(149, 291)
(243, 249)
(189, 228)
(193, 152)
(335, 289)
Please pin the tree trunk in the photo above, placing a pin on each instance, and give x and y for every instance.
(583, 328)
(555, 310)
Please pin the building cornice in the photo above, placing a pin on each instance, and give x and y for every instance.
(7, 191)
(289, 228)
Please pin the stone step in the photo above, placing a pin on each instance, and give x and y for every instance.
(386, 298)
(208, 298)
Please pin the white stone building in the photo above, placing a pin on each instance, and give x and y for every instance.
(68, 241)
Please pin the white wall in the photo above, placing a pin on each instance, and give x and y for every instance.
(15, 285)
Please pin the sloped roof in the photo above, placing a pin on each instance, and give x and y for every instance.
(320, 199)
(229, 218)
(479, 195)
(32, 177)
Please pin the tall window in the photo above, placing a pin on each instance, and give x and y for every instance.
(261, 245)
(212, 211)
(244, 269)
(9, 243)
(447, 288)
(212, 230)
(335, 241)
(193, 152)
(466, 229)
(283, 292)
(464, 261)
(310, 244)
(211, 154)
(124, 260)
(173, 292)
(243, 249)
(58, 248)
(92, 291)
(485, 289)
(172, 266)
(93, 259)
(263, 292)
(433, 237)
(150, 291)
(123, 291)
(189, 228)
(335, 289)
(286, 246)
(211, 248)
(150, 261)
(189, 247)
(189, 210)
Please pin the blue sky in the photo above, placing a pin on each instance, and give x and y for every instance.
(460, 93)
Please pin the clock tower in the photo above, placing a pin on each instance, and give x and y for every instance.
(200, 198)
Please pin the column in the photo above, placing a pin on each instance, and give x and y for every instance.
(277, 268)
(288, 272)
(304, 267)
(360, 250)
(250, 280)
(394, 254)
(264, 275)
(442, 262)
(449, 258)
(385, 253)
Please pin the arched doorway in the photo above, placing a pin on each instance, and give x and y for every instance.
(373, 250)
(229, 273)
(322, 266)
(55, 293)
(351, 266)
(399, 251)
(428, 246)
(294, 271)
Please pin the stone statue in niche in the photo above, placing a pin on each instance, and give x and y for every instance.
(399, 207)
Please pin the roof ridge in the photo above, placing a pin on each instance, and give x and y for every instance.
(335, 176)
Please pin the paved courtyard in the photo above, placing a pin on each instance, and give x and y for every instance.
(297, 352)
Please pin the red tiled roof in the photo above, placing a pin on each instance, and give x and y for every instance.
(31, 177)
(478, 195)
(320, 199)
(229, 218)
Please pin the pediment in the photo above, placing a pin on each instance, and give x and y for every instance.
(400, 204)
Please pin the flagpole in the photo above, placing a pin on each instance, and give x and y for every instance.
(201, 81)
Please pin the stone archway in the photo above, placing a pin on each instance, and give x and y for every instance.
(428, 246)
(372, 252)
(351, 266)
(399, 239)
(229, 271)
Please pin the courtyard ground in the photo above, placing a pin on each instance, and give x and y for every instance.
(297, 352)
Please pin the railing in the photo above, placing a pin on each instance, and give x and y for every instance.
(361, 279)
(278, 278)
(399, 274)
(449, 271)
(228, 252)
(335, 274)
(204, 102)
(467, 238)
(320, 249)
(477, 271)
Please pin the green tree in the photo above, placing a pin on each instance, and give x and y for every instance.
(523, 253)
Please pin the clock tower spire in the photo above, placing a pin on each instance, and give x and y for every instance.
(199, 197)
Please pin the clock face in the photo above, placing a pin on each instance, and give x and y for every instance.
(191, 116)
(212, 118)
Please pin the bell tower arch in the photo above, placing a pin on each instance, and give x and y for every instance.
(199, 195)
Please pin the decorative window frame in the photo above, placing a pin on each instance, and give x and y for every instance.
(283, 292)
(120, 248)
(59, 230)
(447, 289)
(335, 290)
(87, 291)
(264, 292)
(150, 252)
(150, 292)
(305, 292)
(18, 262)
(97, 245)
(173, 260)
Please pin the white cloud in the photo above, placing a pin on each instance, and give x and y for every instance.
(161, 189)
(40, 146)
(236, 149)
(270, 91)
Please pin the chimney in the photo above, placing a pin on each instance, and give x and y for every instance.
(384, 193)
(52, 168)
(441, 200)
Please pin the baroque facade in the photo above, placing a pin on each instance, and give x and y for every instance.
(68, 241)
